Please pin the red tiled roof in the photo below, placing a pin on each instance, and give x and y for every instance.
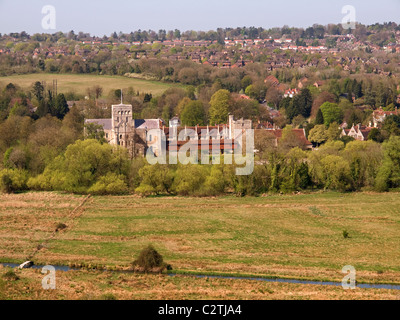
(272, 80)
(298, 132)
(203, 144)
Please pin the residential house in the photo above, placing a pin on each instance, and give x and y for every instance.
(380, 115)
(358, 132)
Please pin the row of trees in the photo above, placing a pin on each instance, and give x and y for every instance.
(314, 32)
(91, 167)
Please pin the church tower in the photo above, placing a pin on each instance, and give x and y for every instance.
(122, 123)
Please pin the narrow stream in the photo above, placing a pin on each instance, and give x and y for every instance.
(58, 268)
(320, 283)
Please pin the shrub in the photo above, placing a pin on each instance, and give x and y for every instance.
(109, 184)
(11, 275)
(345, 234)
(215, 182)
(383, 177)
(189, 179)
(6, 183)
(109, 296)
(61, 226)
(13, 180)
(86, 166)
(149, 259)
(335, 173)
(389, 173)
(145, 190)
(155, 179)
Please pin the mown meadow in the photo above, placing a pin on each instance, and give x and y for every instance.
(310, 236)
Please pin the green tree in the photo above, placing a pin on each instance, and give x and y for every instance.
(193, 114)
(189, 179)
(155, 179)
(375, 135)
(365, 158)
(333, 172)
(320, 117)
(43, 109)
(19, 110)
(219, 107)
(60, 107)
(318, 135)
(257, 91)
(215, 182)
(247, 109)
(95, 131)
(389, 173)
(331, 113)
(303, 102)
(38, 91)
(111, 183)
(246, 81)
(83, 164)
(333, 132)
(13, 180)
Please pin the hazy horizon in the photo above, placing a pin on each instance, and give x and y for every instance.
(104, 17)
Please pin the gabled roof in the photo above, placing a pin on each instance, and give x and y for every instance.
(272, 80)
(148, 123)
(300, 134)
(106, 123)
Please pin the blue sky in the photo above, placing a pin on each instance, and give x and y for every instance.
(103, 17)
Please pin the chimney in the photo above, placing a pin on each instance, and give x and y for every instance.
(230, 126)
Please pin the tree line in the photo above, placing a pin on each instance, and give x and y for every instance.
(87, 166)
(316, 31)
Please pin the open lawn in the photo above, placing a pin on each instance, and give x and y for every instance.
(294, 236)
(79, 83)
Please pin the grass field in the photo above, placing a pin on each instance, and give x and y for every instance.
(88, 285)
(79, 83)
(296, 236)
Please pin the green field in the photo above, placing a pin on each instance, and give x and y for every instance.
(79, 83)
(296, 236)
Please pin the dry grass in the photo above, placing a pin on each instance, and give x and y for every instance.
(28, 219)
(290, 236)
(84, 285)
